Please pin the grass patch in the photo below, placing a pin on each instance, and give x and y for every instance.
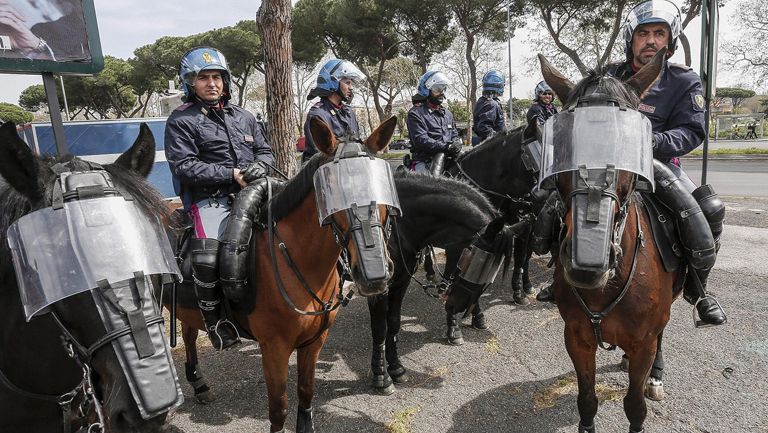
(401, 422)
(747, 151)
(492, 346)
(548, 397)
(609, 392)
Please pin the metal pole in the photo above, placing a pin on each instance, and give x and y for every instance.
(509, 56)
(64, 95)
(709, 23)
(55, 110)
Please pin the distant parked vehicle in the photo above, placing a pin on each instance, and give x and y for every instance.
(400, 144)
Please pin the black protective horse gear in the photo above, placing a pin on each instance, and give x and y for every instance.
(204, 255)
(454, 332)
(546, 294)
(478, 318)
(695, 234)
(543, 231)
(709, 310)
(304, 422)
(236, 239)
(437, 165)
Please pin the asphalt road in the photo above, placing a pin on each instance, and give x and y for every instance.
(517, 377)
(733, 176)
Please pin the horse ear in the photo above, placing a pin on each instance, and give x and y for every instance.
(18, 165)
(380, 136)
(556, 80)
(647, 76)
(141, 156)
(322, 136)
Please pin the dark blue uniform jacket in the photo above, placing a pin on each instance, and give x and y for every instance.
(540, 112)
(675, 107)
(342, 121)
(488, 117)
(431, 130)
(203, 146)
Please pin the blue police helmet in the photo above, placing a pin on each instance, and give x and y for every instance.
(493, 81)
(433, 80)
(653, 11)
(203, 59)
(333, 71)
(541, 88)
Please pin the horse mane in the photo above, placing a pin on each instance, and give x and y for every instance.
(500, 139)
(457, 195)
(291, 194)
(14, 205)
(600, 81)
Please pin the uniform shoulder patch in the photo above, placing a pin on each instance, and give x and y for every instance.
(698, 101)
(680, 66)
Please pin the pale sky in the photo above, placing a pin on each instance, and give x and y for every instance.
(126, 25)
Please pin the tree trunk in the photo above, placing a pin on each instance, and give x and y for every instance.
(472, 77)
(274, 20)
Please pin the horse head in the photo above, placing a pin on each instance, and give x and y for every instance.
(356, 196)
(489, 252)
(91, 362)
(598, 151)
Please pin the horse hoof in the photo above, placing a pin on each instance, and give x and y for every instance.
(528, 289)
(456, 341)
(624, 365)
(654, 389)
(590, 429)
(387, 390)
(205, 397)
(521, 300)
(399, 375)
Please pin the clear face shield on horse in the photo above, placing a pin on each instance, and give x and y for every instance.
(594, 144)
(93, 240)
(357, 184)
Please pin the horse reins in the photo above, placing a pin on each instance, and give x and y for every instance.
(442, 287)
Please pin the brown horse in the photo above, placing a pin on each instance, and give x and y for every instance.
(625, 302)
(279, 327)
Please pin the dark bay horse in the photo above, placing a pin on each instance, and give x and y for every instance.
(38, 378)
(438, 211)
(498, 168)
(310, 282)
(628, 304)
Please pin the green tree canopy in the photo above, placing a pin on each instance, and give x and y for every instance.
(14, 113)
(33, 98)
(737, 94)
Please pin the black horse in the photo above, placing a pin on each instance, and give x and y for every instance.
(42, 387)
(437, 211)
(498, 168)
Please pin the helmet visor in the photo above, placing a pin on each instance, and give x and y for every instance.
(654, 11)
(349, 71)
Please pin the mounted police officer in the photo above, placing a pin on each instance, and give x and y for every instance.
(675, 107)
(214, 149)
(542, 108)
(488, 116)
(335, 87)
(431, 128)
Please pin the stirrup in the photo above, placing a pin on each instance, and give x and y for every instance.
(215, 331)
(697, 322)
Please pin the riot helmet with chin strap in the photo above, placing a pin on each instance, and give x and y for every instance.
(202, 59)
(649, 12)
(330, 77)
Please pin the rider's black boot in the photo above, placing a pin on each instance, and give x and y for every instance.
(204, 255)
(710, 312)
(454, 332)
(546, 294)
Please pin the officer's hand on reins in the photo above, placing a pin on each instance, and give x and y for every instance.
(257, 170)
(454, 149)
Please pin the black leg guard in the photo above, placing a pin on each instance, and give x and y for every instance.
(204, 254)
(543, 232)
(478, 318)
(304, 422)
(454, 332)
(692, 225)
(586, 429)
(546, 294)
(234, 249)
(709, 310)
(381, 381)
(518, 292)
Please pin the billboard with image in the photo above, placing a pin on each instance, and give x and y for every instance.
(58, 36)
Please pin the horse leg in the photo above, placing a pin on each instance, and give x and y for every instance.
(203, 394)
(520, 252)
(582, 353)
(274, 361)
(306, 363)
(377, 307)
(478, 318)
(654, 389)
(640, 362)
(395, 368)
(525, 239)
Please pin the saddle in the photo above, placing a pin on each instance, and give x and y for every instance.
(666, 237)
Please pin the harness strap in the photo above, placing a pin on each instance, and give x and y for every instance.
(597, 318)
